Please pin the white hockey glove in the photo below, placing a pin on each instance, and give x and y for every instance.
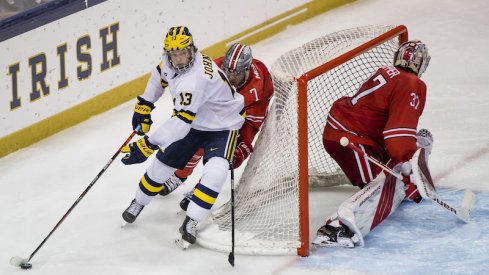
(410, 187)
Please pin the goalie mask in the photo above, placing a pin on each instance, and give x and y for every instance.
(412, 56)
(179, 49)
(237, 64)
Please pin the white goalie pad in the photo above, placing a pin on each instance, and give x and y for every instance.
(370, 206)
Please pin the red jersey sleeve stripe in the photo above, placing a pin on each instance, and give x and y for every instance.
(255, 118)
(399, 132)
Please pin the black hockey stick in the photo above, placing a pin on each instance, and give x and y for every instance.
(231, 254)
(24, 263)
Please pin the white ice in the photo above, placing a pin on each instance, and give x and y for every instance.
(41, 182)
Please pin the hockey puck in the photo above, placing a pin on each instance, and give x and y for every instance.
(26, 265)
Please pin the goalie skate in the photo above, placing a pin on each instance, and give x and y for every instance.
(330, 236)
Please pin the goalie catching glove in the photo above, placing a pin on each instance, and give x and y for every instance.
(142, 116)
(138, 151)
(243, 151)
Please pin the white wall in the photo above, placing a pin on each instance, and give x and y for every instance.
(141, 28)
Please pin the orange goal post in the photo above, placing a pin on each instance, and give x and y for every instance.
(272, 195)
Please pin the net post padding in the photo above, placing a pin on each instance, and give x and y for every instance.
(271, 198)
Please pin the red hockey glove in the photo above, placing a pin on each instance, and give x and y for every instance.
(243, 151)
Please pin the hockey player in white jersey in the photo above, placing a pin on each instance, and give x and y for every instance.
(208, 113)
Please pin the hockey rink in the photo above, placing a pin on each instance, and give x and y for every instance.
(39, 183)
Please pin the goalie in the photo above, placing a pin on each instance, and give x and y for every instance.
(381, 119)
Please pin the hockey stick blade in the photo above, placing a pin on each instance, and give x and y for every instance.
(20, 262)
(182, 243)
(469, 200)
(426, 187)
(124, 224)
(231, 259)
(467, 204)
(17, 261)
(459, 213)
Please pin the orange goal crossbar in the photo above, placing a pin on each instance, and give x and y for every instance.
(402, 33)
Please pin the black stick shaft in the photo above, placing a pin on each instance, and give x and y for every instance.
(83, 194)
(231, 254)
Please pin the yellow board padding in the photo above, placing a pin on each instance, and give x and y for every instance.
(133, 88)
(275, 25)
(68, 118)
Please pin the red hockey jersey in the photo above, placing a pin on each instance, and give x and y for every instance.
(257, 93)
(384, 113)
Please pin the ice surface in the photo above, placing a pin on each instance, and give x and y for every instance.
(41, 182)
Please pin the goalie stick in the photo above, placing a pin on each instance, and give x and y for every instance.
(25, 263)
(427, 191)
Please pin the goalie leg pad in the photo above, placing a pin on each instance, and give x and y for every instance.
(366, 209)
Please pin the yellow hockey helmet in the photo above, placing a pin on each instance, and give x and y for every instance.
(179, 39)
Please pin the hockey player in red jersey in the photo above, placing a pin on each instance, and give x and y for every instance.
(381, 119)
(251, 79)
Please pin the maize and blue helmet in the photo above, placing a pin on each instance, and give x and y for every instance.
(179, 40)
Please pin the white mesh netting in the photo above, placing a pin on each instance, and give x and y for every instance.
(266, 198)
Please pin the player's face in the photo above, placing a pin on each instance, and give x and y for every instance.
(180, 58)
(236, 78)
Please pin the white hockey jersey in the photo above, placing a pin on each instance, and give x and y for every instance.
(203, 99)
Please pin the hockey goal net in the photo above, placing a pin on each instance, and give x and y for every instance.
(271, 198)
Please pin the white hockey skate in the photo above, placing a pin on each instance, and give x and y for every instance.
(188, 231)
